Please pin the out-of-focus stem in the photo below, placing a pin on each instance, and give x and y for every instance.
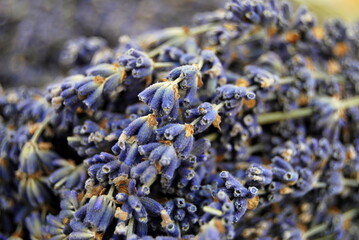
(316, 229)
(130, 227)
(180, 35)
(212, 211)
(267, 118)
(321, 227)
(172, 42)
(162, 64)
(39, 131)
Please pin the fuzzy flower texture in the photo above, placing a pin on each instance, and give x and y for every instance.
(242, 125)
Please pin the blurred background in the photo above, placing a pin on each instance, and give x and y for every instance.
(33, 32)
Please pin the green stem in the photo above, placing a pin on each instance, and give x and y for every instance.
(252, 33)
(60, 183)
(347, 103)
(202, 29)
(320, 185)
(267, 118)
(18, 231)
(195, 121)
(83, 200)
(286, 80)
(346, 182)
(321, 227)
(316, 229)
(350, 182)
(40, 129)
(177, 80)
(212, 211)
(74, 139)
(181, 36)
(171, 42)
(162, 64)
(218, 106)
(212, 136)
(110, 192)
(177, 224)
(130, 228)
(325, 76)
(256, 148)
(351, 213)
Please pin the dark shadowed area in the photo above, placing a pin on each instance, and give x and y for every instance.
(33, 32)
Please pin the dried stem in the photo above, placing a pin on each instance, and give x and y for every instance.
(321, 227)
(39, 131)
(267, 118)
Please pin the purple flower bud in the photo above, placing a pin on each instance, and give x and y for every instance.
(136, 63)
(172, 230)
(149, 175)
(100, 212)
(259, 174)
(152, 206)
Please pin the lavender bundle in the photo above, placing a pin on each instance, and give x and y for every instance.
(243, 125)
